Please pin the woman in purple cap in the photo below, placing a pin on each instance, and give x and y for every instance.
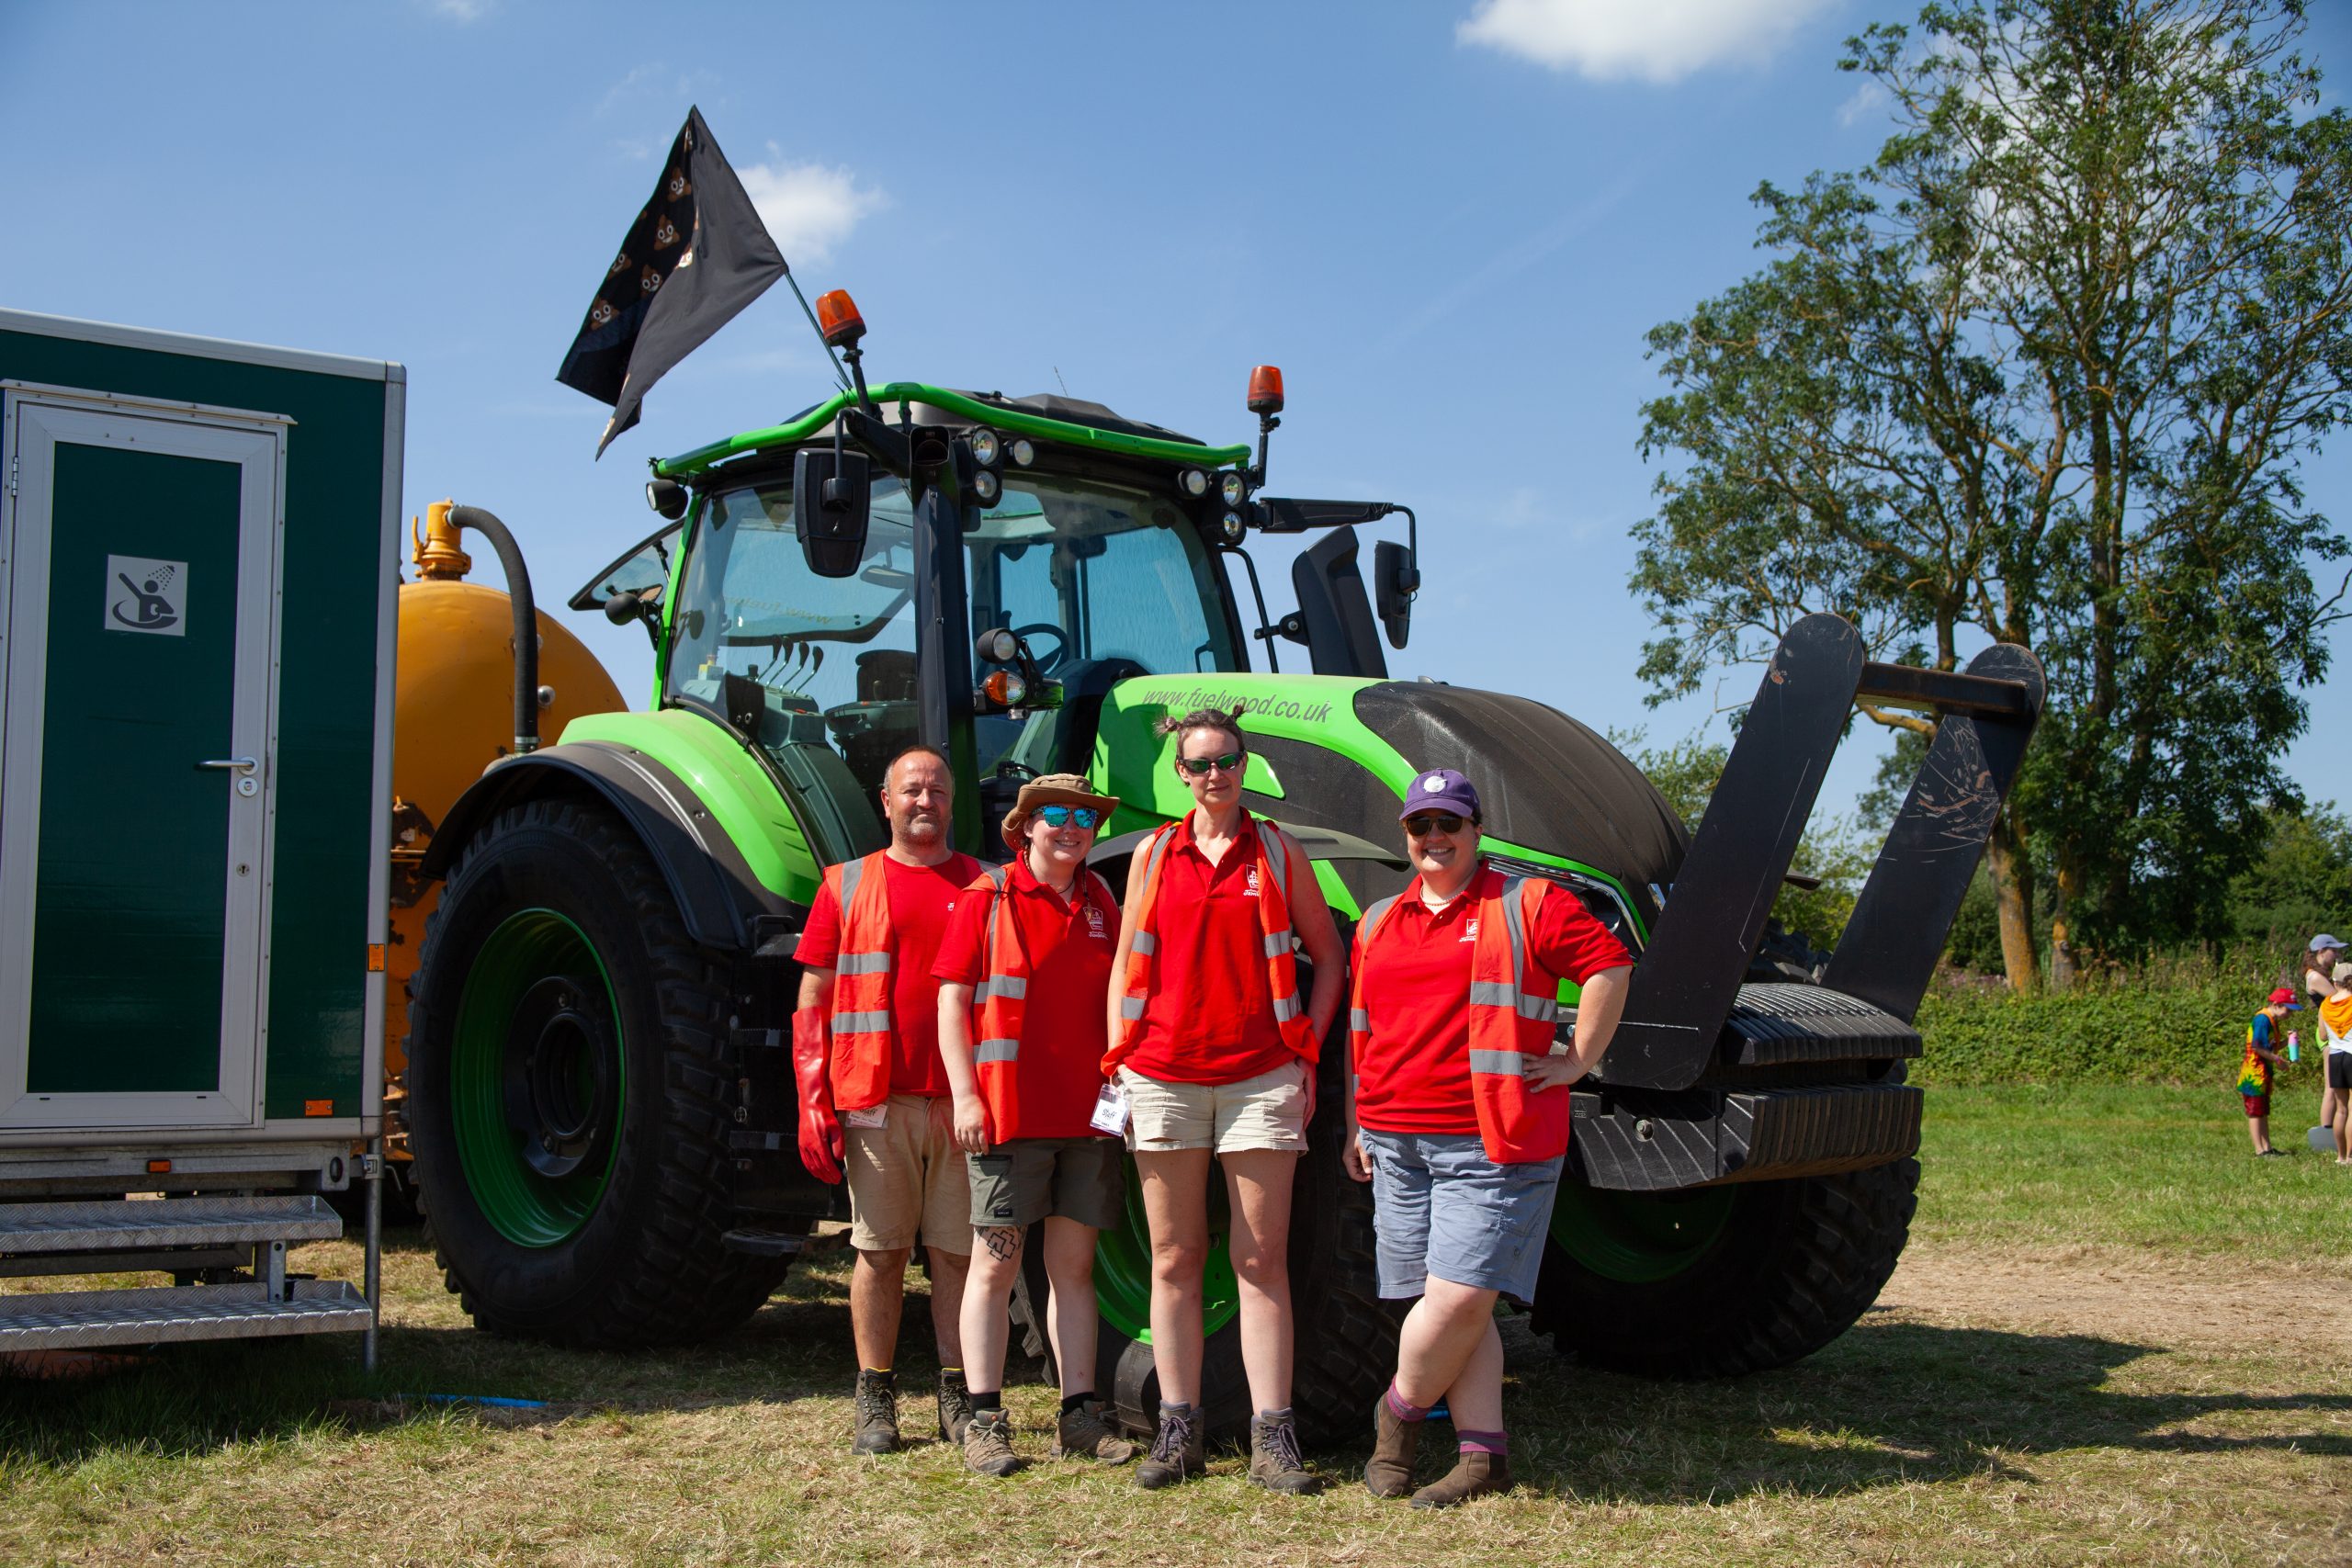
(1459, 1116)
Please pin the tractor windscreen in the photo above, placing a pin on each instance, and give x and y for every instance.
(1097, 578)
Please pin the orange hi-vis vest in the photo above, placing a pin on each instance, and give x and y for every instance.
(1274, 925)
(861, 976)
(1000, 1002)
(1513, 1006)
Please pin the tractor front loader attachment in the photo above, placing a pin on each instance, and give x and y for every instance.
(1711, 1079)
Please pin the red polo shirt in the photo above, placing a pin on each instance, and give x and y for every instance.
(922, 898)
(1209, 1019)
(1069, 946)
(1415, 1073)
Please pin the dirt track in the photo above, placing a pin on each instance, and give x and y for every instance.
(2172, 1301)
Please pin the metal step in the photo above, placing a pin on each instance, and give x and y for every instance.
(167, 1315)
(126, 1224)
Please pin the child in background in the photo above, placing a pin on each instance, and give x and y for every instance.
(2336, 1028)
(2262, 1058)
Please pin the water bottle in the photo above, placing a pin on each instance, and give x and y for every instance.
(2294, 1048)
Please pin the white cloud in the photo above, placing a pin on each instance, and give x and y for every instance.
(1656, 40)
(809, 208)
(460, 11)
(1867, 99)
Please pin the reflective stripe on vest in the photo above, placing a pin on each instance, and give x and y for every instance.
(862, 969)
(1275, 944)
(1513, 1002)
(861, 1022)
(1000, 1002)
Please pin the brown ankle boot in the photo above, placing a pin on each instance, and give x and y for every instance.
(1390, 1473)
(1472, 1475)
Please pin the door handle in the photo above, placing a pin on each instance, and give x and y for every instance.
(244, 767)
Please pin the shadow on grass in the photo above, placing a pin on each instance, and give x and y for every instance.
(184, 1400)
(1887, 1402)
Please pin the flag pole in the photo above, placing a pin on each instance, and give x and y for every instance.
(839, 374)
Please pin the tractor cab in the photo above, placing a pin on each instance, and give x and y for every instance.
(1048, 550)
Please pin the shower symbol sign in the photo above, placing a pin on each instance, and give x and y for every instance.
(145, 595)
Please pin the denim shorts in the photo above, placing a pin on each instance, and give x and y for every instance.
(1441, 1207)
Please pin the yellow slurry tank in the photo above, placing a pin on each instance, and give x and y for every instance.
(453, 718)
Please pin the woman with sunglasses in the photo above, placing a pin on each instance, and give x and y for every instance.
(1023, 972)
(1459, 1116)
(1216, 1051)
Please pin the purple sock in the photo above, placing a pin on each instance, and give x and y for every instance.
(1482, 1442)
(1402, 1411)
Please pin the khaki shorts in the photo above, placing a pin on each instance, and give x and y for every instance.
(1030, 1180)
(907, 1176)
(1268, 1112)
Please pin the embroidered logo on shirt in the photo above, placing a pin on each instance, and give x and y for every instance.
(1470, 929)
(1094, 923)
(1250, 882)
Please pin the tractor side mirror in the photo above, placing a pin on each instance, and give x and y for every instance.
(833, 497)
(1396, 579)
(644, 606)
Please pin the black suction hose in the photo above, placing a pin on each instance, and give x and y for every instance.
(526, 620)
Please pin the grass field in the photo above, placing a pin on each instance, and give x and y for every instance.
(2116, 1337)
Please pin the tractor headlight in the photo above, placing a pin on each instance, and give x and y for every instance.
(1022, 452)
(1193, 483)
(986, 448)
(1232, 527)
(1232, 490)
(987, 486)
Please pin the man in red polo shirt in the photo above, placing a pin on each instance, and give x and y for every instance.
(891, 1133)
(1032, 946)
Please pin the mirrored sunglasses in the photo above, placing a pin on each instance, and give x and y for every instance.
(1085, 817)
(1198, 767)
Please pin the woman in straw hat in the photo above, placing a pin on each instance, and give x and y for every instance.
(1023, 974)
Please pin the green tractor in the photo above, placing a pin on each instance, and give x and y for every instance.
(600, 1094)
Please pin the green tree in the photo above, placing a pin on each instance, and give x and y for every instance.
(2043, 373)
(2301, 884)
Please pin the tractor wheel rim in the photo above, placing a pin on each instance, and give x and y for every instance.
(535, 1078)
(1123, 1266)
(1640, 1238)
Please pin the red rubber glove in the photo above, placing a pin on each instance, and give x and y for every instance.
(820, 1132)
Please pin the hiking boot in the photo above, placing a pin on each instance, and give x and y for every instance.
(1179, 1448)
(987, 1444)
(1389, 1472)
(877, 1414)
(1083, 1434)
(1472, 1475)
(1274, 1461)
(954, 1406)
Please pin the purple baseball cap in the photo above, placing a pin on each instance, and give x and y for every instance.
(1440, 789)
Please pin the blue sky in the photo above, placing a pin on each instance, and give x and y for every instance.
(1450, 223)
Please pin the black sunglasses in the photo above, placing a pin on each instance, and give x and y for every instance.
(1085, 817)
(1199, 766)
(1444, 821)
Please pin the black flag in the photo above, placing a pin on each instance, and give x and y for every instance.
(695, 256)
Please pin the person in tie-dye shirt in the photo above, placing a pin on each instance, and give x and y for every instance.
(2262, 1058)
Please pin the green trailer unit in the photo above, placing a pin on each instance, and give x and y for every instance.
(197, 577)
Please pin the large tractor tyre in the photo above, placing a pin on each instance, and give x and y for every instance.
(567, 1094)
(1716, 1281)
(1345, 1335)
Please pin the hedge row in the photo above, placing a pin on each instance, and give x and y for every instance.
(2190, 1033)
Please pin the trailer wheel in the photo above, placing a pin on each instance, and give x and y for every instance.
(1344, 1334)
(567, 1094)
(1716, 1281)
